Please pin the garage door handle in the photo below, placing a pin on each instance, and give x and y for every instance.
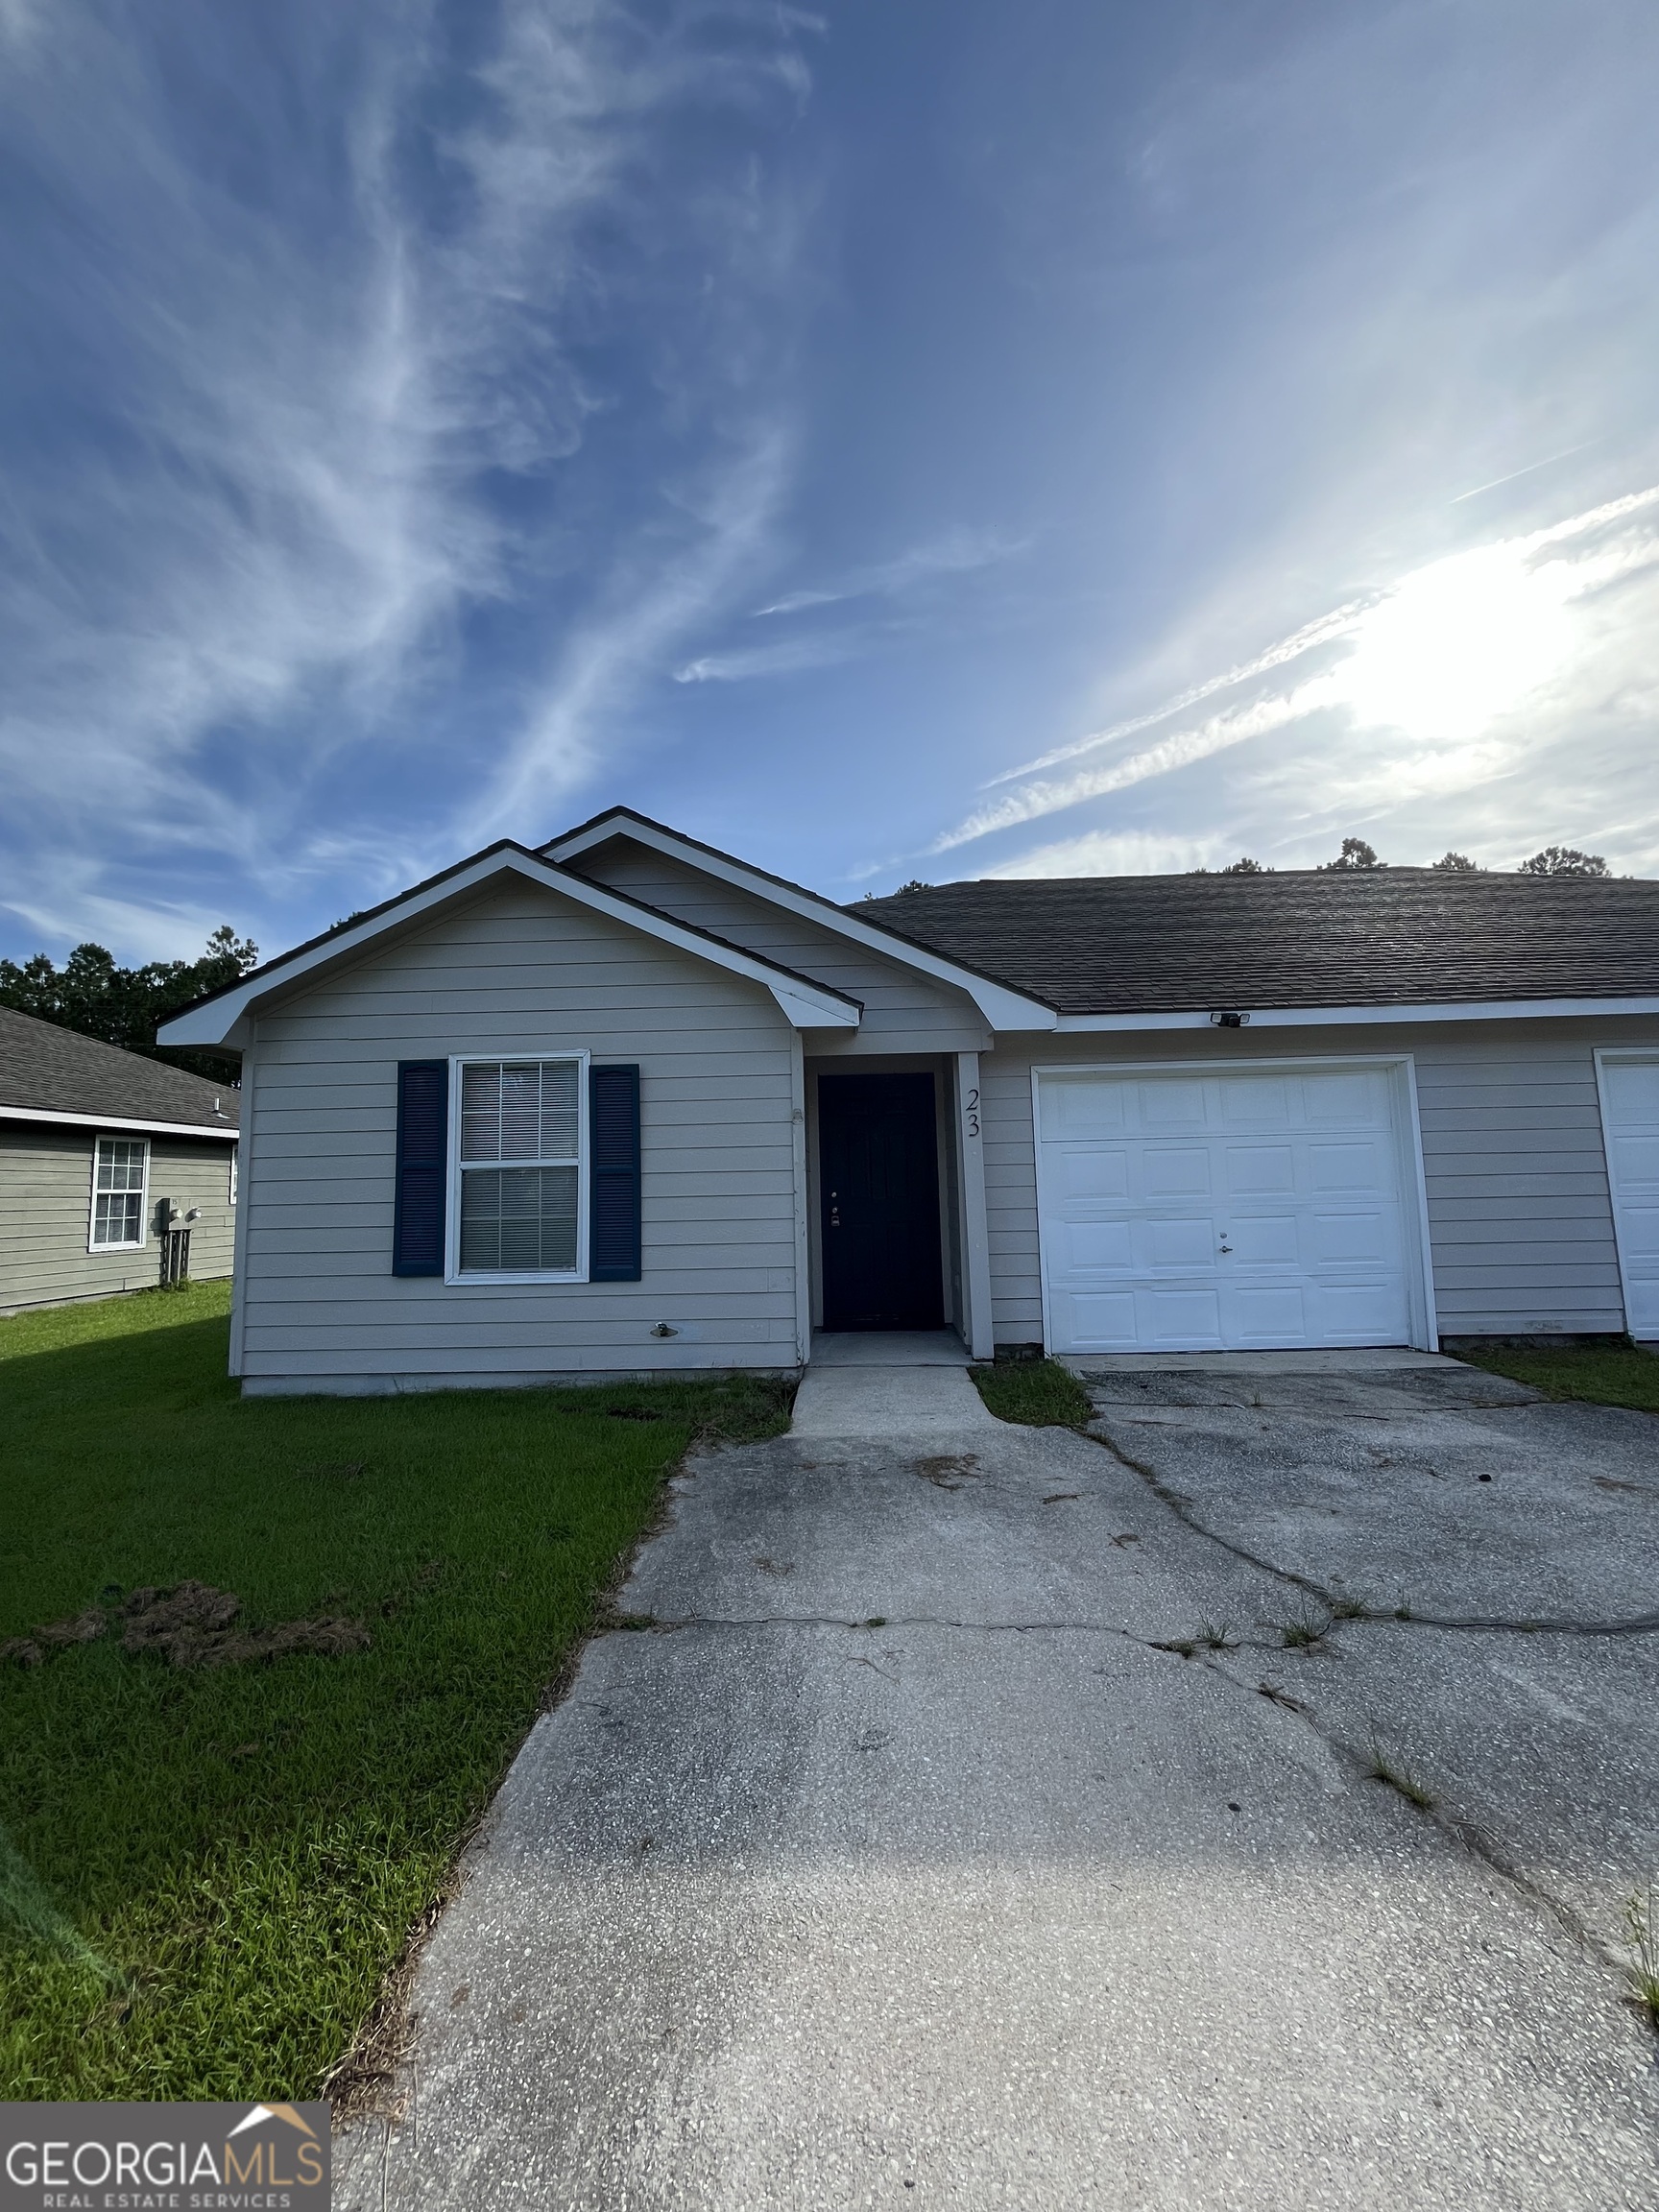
(1226, 1247)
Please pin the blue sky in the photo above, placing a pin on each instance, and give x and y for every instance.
(925, 440)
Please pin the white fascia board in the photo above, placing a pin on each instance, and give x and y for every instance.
(225, 1136)
(1002, 1008)
(221, 1020)
(1332, 1016)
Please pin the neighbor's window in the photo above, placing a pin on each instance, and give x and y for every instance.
(519, 1166)
(118, 1193)
(235, 1149)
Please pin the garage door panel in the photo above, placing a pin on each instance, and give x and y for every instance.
(1630, 1133)
(1267, 1314)
(1175, 1171)
(1360, 1096)
(1090, 1247)
(1179, 1243)
(1358, 1313)
(1103, 1321)
(1170, 1316)
(1258, 1101)
(1349, 1168)
(1232, 1209)
(1082, 1109)
(1258, 1170)
(1267, 1240)
(1636, 1165)
(1349, 1239)
(1172, 1105)
(1097, 1173)
(1632, 1092)
(1640, 1232)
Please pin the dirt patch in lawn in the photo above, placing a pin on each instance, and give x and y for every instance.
(192, 1625)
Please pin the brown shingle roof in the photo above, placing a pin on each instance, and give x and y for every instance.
(1396, 936)
(61, 1071)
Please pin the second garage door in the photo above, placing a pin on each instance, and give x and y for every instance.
(1202, 1213)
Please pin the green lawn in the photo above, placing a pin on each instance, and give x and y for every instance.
(1039, 1393)
(1618, 1373)
(204, 1874)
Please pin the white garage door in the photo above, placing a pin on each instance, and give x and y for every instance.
(1630, 1126)
(1193, 1213)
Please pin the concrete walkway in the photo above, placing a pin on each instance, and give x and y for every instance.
(895, 1385)
(999, 1818)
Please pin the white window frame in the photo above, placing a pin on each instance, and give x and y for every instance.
(452, 1274)
(126, 1244)
(235, 1153)
(1400, 1070)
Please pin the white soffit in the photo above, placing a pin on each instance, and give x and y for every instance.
(1329, 1016)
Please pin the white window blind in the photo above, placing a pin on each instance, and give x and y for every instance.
(519, 1147)
(118, 1193)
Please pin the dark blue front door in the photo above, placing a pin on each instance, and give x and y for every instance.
(879, 1170)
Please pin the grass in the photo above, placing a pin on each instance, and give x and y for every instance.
(1039, 1393)
(1385, 1768)
(1619, 1373)
(1639, 1916)
(204, 1874)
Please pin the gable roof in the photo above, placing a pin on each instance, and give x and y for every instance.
(1005, 1006)
(1395, 937)
(217, 1018)
(53, 1074)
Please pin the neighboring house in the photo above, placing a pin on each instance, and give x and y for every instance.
(625, 1103)
(94, 1143)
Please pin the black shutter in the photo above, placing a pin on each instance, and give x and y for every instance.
(614, 1154)
(423, 1167)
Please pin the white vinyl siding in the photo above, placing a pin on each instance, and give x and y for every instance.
(120, 1172)
(516, 1208)
(1521, 1219)
(518, 974)
(903, 1011)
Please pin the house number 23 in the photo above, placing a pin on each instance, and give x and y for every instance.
(970, 1113)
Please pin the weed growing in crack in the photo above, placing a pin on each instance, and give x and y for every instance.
(1383, 1768)
(1641, 1919)
(1304, 1633)
(1350, 1609)
(1183, 1645)
(1214, 1636)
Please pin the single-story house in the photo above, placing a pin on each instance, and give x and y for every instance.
(116, 1172)
(624, 1103)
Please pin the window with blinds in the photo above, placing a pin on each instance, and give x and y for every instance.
(118, 1177)
(518, 1143)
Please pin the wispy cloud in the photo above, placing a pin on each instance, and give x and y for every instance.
(305, 380)
(1442, 656)
(788, 657)
(957, 554)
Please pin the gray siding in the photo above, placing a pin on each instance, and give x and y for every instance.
(1520, 1219)
(903, 1012)
(519, 970)
(45, 1214)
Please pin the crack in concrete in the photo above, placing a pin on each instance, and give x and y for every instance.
(1468, 1834)
(1343, 1609)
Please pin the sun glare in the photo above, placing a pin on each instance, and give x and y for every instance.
(1460, 642)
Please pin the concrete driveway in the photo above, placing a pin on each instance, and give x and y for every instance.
(965, 1832)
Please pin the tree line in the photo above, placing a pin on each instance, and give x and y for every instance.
(1356, 854)
(125, 1006)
